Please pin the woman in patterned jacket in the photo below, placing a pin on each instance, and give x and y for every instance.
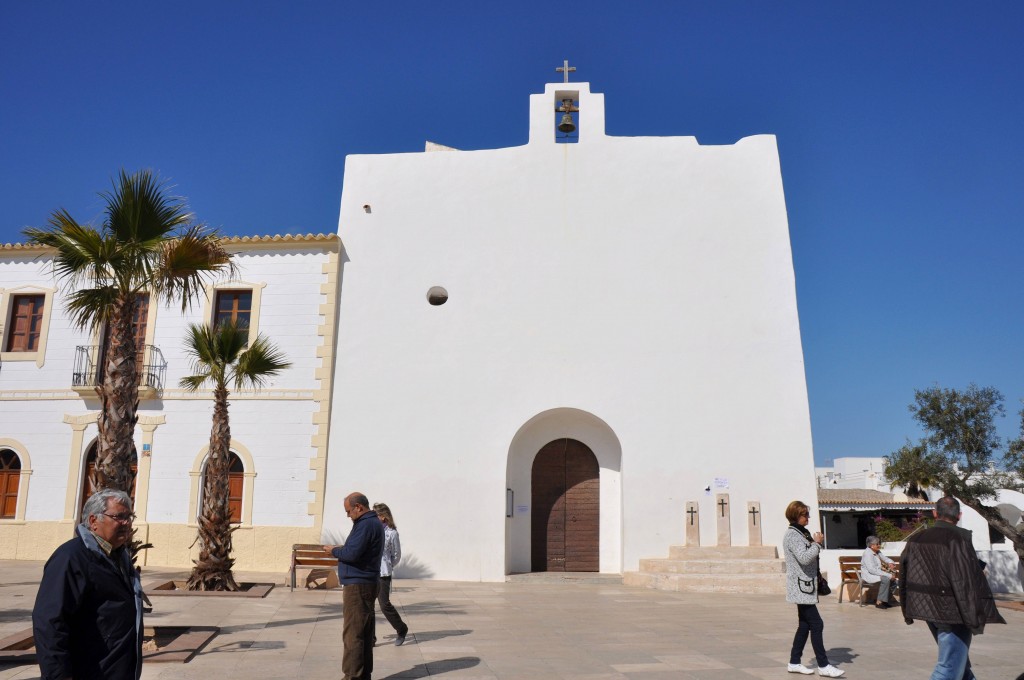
(388, 561)
(801, 550)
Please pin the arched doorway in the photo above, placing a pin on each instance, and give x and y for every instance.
(565, 521)
(10, 478)
(88, 475)
(236, 487)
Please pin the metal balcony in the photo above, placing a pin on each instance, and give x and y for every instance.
(87, 372)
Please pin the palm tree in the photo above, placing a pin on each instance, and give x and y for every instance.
(219, 356)
(147, 242)
(911, 467)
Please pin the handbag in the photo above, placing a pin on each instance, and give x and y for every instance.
(823, 587)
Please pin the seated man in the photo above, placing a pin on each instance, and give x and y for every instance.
(877, 568)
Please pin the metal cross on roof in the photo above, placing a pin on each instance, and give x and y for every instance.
(565, 68)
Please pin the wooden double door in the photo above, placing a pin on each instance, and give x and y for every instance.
(566, 508)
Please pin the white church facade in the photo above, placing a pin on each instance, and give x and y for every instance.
(618, 337)
(540, 357)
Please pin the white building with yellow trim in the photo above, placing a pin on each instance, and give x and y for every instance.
(286, 287)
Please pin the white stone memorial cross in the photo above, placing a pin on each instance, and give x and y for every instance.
(692, 524)
(754, 522)
(722, 519)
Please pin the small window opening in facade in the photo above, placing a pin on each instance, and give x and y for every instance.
(567, 130)
(437, 296)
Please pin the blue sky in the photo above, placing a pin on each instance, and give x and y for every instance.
(900, 128)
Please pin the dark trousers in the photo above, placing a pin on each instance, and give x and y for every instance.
(357, 630)
(388, 609)
(810, 623)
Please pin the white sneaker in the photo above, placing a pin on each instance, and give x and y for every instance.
(830, 671)
(799, 668)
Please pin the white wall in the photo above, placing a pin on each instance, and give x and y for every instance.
(647, 282)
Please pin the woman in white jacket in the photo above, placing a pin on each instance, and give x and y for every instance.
(801, 550)
(389, 560)
(877, 568)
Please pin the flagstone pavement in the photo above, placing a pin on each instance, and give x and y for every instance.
(520, 630)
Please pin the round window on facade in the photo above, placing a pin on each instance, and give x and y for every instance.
(437, 296)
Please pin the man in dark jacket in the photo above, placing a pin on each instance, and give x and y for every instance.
(943, 582)
(87, 620)
(359, 573)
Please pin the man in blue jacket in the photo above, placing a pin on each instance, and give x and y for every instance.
(359, 573)
(87, 620)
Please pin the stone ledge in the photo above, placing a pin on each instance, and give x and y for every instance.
(183, 643)
(179, 589)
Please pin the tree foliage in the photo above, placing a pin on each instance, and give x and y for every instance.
(961, 452)
(147, 244)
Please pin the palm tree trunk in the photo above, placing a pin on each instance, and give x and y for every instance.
(119, 396)
(212, 569)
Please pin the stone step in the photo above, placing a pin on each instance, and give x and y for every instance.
(763, 584)
(728, 552)
(565, 577)
(670, 566)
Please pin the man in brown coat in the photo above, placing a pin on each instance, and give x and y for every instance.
(942, 582)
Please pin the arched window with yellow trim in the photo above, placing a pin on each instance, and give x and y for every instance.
(10, 479)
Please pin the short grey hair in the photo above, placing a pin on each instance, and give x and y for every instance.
(948, 508)
(873, 540)
(97, 503)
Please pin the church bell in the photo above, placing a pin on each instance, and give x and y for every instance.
(567, 125)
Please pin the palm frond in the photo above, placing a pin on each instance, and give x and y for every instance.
(261, 361)
(188, 262)
(139, 212)
(90, 307)
(80, 253)
(231, 338)
(192, 383)
(201, 349)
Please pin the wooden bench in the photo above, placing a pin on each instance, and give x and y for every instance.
(310, 555)
(849, 570)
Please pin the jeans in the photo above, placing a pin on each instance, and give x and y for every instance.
(953, 663)
(388, 609)
(358, 627)
(810, 622)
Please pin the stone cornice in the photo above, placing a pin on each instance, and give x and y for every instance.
(233, 242)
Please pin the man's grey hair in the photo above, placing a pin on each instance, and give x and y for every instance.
(97, 503)
(948, 508)
(873, 540)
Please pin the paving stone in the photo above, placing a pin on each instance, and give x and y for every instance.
(528, 630)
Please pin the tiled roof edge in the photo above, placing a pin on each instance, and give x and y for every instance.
(229, 240)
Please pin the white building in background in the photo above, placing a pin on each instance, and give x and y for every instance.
(854, 472)
(618, 312)
(286, 288)
(855, 490)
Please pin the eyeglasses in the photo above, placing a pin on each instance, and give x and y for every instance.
(122, 518)
(805, 514)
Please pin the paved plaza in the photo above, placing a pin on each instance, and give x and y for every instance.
(521, 630)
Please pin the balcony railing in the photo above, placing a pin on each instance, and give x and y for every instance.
(88, 367)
